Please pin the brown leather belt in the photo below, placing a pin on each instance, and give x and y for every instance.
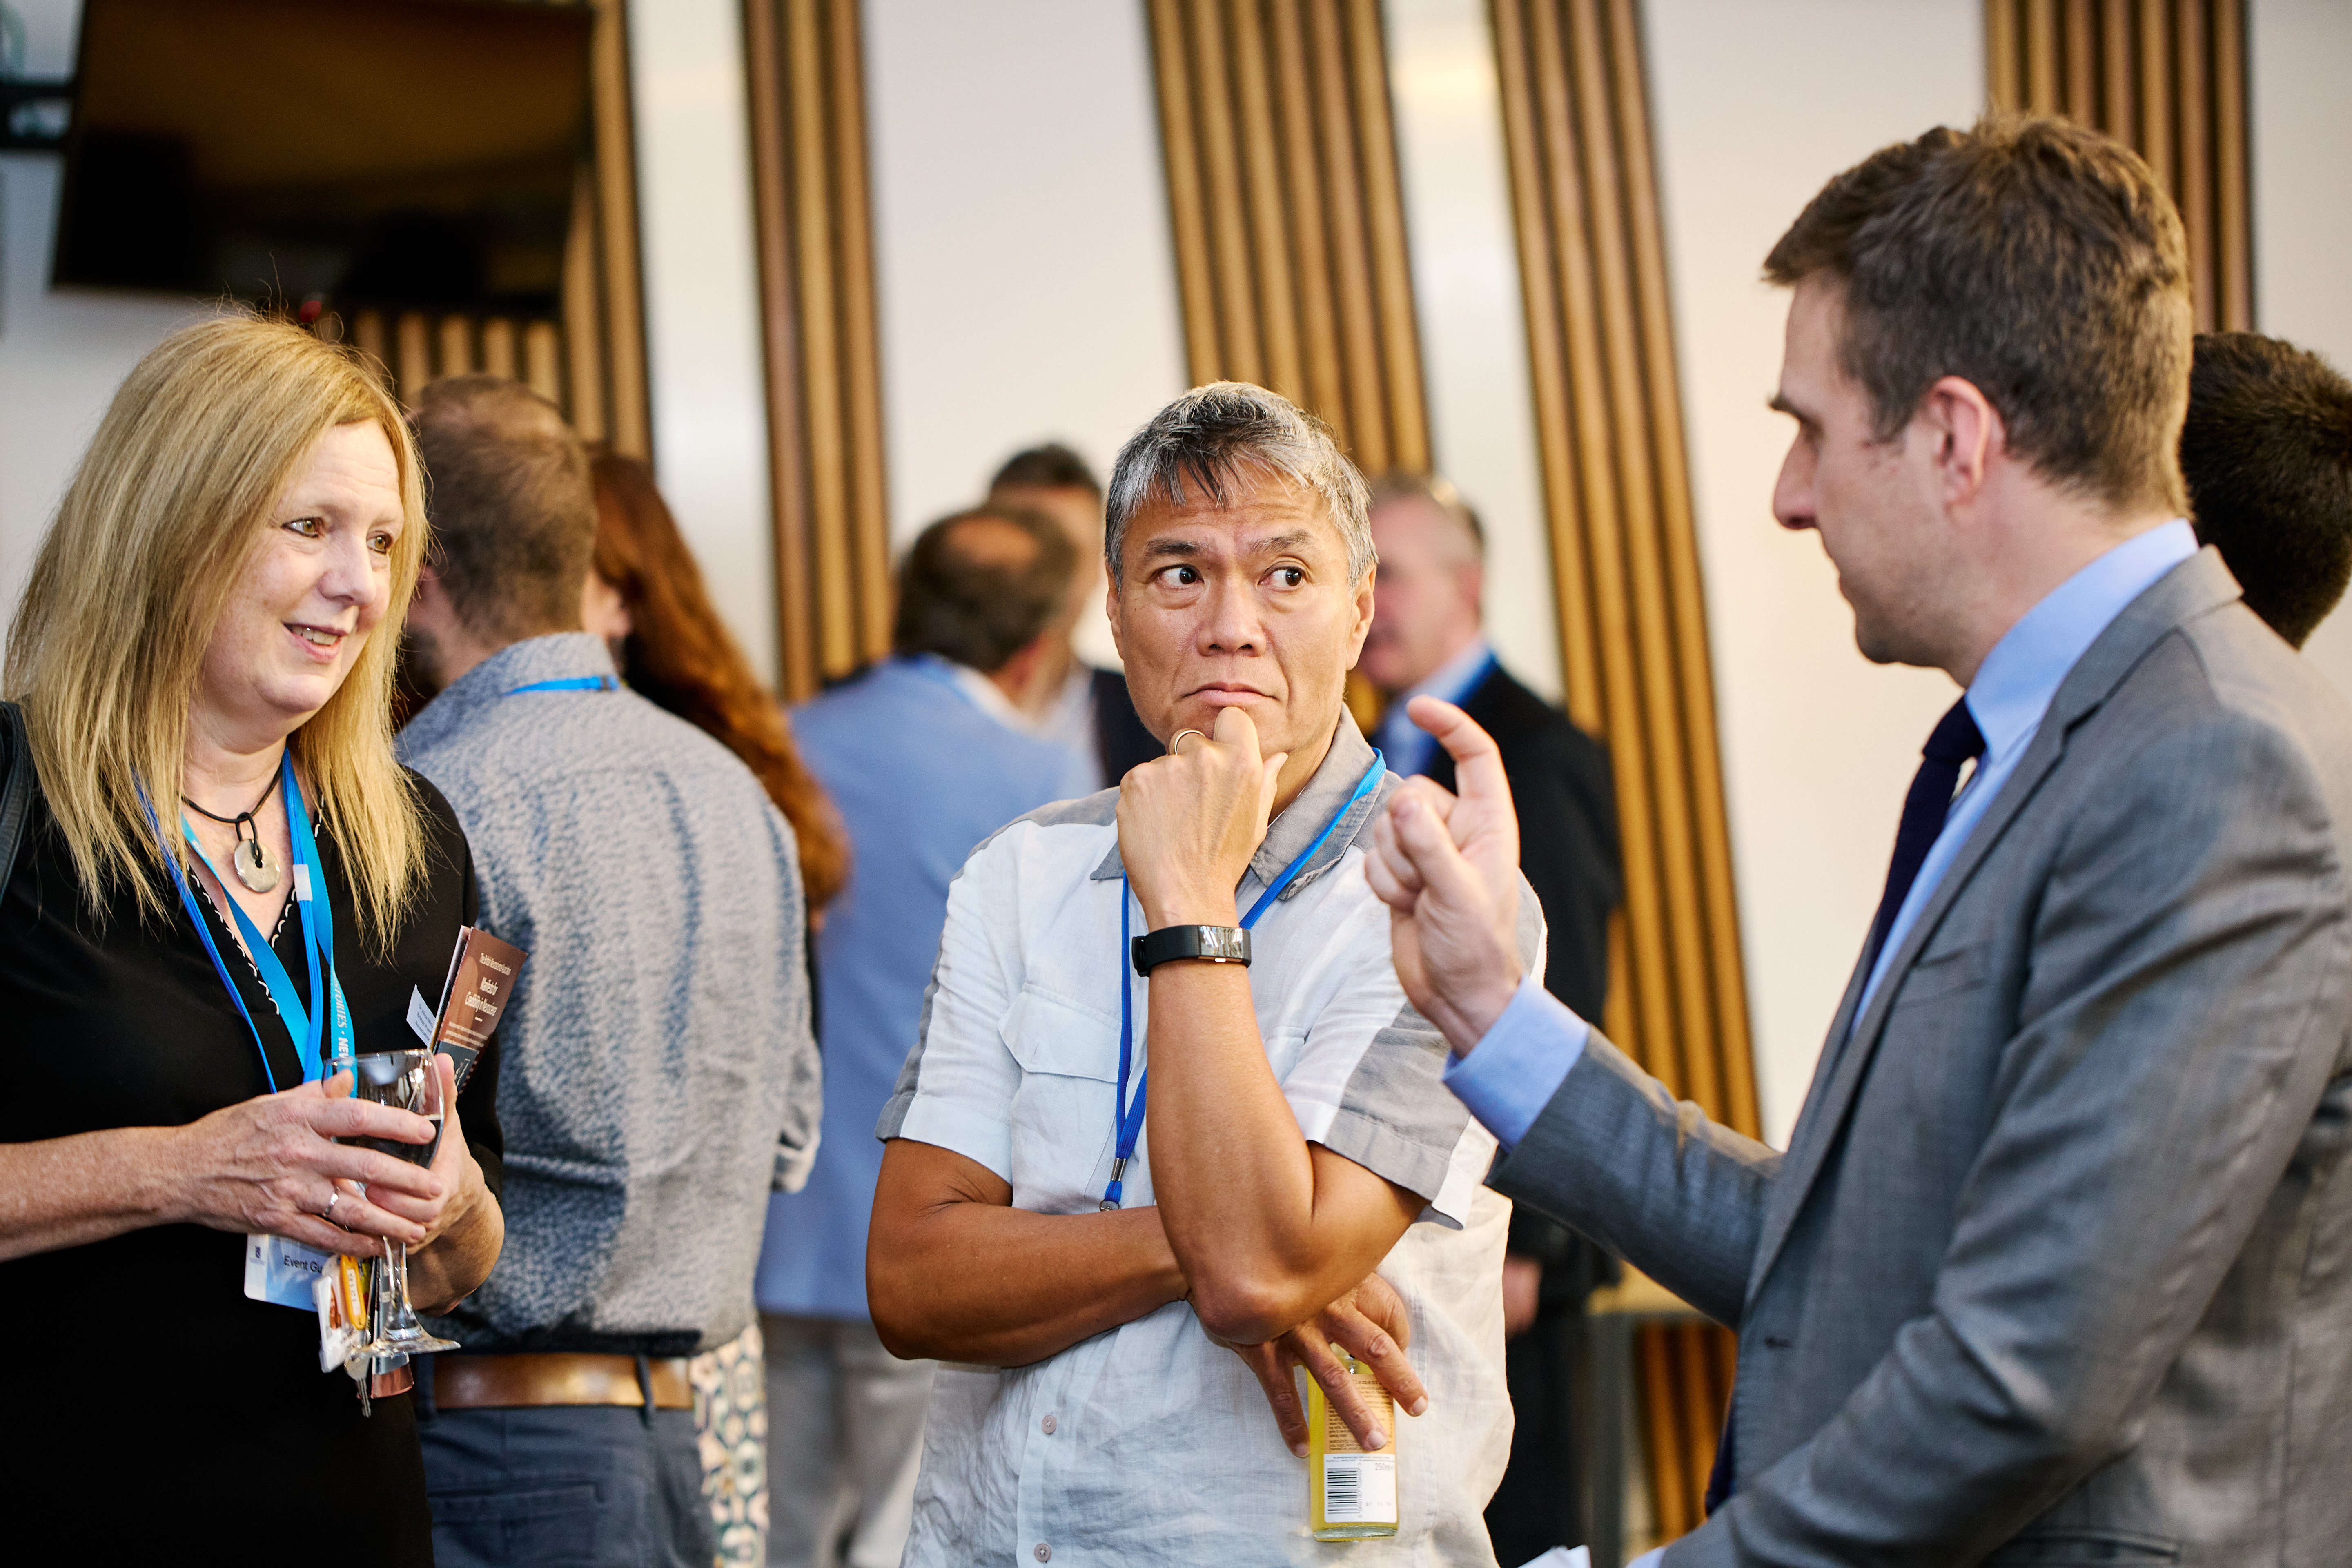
(509, 1382)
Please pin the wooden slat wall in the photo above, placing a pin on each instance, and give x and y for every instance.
(590, 361)
(2166, 77)
(1625, 570)
(1288, 215)
(823, 350)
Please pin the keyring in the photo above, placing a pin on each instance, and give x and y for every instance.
(328, 1214)
(1177, 740)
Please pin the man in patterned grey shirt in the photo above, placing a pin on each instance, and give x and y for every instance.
(660, 1072)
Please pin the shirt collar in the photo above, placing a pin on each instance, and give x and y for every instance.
(977, 689)
(2018, 679)
(1453, 680)
(1343, 768)
(563, 656)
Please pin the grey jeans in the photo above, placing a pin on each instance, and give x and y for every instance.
(844, 1438)
(566, 1486)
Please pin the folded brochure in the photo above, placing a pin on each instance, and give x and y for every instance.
(482, 975)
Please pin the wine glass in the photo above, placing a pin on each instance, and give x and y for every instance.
(407, 1080)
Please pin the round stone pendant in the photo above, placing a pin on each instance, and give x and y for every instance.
(256, 866)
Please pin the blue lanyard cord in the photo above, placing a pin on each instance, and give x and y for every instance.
(303, 1025)
(1128, 1115)
(572, 683)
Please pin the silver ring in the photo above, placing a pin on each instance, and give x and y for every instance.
(328, 1214)
(1177, 740)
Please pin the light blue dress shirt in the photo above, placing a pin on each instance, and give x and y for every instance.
(1518, 1066)
(1520, 1063)
(1406, 744)
(921, 769)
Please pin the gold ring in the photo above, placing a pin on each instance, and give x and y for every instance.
(1177, 740)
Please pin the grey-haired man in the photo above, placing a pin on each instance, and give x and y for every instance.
(1300, 1136)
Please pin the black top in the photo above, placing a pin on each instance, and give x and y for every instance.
(150, 1397)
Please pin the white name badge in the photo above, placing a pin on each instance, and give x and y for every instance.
(420, 1016)
(283, 1271)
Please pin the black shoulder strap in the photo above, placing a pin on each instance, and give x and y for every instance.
(16, 786)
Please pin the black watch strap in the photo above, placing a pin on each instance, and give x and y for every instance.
(1218, 945)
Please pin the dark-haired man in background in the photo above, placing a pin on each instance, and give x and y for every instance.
(1428, 638)
(1085, 711)
(925, 755)
(2057, 1266)
(2267, 453)
(658, 1072)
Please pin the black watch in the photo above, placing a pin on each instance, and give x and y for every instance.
(1218, 945)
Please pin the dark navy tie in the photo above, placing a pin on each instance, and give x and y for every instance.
(1956, 740)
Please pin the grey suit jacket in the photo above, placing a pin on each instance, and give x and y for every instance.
(2058, 1266)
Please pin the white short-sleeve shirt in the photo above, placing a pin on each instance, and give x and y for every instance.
(1151, 1444)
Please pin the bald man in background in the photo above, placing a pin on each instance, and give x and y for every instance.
(926, 754)
(1428, 636)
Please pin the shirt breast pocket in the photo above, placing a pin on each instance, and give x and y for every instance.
(1067, 1099)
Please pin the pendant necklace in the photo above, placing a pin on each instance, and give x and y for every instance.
(252, 860)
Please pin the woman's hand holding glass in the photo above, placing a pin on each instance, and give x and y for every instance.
(461, 1177)
(271, 1164)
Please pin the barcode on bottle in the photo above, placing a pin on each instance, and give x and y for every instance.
(1359, 1488)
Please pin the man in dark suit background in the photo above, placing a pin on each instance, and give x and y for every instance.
(1427, 637)
(1073, 704)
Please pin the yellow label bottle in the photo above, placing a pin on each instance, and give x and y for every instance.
(1351, 1494)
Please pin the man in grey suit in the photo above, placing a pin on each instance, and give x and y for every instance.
(2057, 1267)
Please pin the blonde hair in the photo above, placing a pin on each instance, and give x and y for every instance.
(165, 511)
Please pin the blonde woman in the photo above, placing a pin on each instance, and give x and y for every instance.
(203, 659)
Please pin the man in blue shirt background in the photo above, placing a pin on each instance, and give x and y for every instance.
(926, 754)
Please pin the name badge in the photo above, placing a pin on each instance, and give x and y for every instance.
(420, 1016)
(283, 1271)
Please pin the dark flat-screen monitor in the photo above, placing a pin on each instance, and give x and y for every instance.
(398, 153)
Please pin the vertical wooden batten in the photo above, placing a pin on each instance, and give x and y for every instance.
(1634, 655)
(2168, 78)
(1287, 213)
(822, 347)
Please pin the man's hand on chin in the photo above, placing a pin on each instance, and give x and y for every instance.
(1371, 1324)
(1448, 870)
(1188, 823)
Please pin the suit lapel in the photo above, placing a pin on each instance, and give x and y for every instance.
(2196, 586)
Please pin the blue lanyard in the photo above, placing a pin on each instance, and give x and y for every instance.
(1128, 1115)
(303, 1025)
(572, 683)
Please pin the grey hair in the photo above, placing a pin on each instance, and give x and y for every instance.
(1216, 435)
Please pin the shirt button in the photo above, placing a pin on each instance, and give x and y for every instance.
(1044, 1553)
(1048, 1425)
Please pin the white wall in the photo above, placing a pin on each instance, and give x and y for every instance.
(2299, 54)
(1755, 106)
(1465, 278)
(702, 302)
(61, 353)
(1027, 284)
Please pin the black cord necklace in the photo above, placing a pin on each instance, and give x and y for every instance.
(252, 860)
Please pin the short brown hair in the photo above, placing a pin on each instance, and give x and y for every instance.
(513, 509)
(978, 609)
(2035, 258)
(2267, 453)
